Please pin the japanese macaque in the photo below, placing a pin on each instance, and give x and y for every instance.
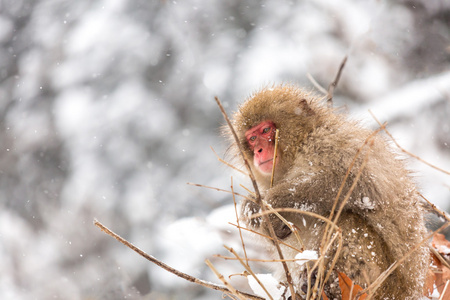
(381, 220)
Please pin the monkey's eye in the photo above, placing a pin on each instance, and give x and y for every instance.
(266, 130)
(252, 139)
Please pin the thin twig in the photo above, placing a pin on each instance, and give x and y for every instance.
(445, 290)
(248, 269)
(266, 220)
(267, 237)
(439, 256)
(230, 288)
(241, 151)
(247, 189)
(167, 267)
(227, 163)
(316, 84)
(435, 208)
(274, 157)
(219, 190)
(336, 256)
(295, 210)
(291, 226)
(237, 220)
(406, 151)
(256, 259)
(333, 85)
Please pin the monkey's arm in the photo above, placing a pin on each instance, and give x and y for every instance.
(305, 193)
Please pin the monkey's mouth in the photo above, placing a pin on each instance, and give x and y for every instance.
(265, 167)
(266, 161)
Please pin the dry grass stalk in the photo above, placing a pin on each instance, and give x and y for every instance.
(288, 224)
(237, 220)
(248, 269)
(335, 257)
(247, 189)
(219, 190)
(255, 259)
(230, 288)
(277, 132)
(267, 237)
(227, 163)
(295, 210)
(439, 256)
(445, 290)
(435, 208)
(242, 153)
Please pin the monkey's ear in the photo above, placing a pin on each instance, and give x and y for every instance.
(303, 108)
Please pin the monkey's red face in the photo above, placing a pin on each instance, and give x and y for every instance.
(261, 139)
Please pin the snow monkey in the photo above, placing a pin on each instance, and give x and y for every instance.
(381, 220)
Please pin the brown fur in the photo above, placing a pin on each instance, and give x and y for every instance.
(381, 221)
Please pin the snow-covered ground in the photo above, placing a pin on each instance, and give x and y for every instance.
(107, 110)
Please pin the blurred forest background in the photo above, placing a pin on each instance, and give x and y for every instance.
(107, 110)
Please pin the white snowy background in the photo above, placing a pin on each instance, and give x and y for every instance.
(107, 110)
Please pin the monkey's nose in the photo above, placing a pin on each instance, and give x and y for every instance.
(260, 150)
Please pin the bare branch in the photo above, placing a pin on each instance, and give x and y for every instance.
(333, 85)
(167, 267)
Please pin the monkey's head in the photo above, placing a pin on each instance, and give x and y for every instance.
(294, 112)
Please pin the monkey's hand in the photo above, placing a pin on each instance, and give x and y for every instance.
(248, 209)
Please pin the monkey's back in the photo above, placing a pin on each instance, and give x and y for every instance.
(384, 197)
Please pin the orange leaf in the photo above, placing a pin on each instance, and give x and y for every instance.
(441, 281)
(440, 244)
(435, 261)
(324, 297)
(445, 273)
(346, 285)
(429, 283)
